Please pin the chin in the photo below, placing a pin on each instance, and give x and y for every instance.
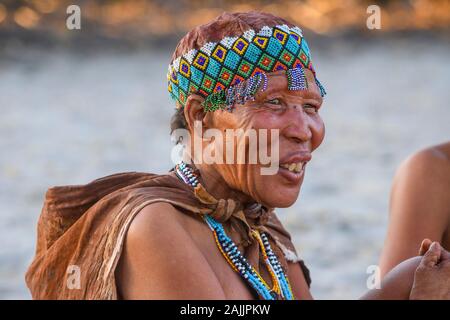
(284, 198)
(284, 203)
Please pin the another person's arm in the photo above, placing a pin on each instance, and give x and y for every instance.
(417, 278)
(420, 206)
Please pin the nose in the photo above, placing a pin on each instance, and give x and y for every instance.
(298, 126)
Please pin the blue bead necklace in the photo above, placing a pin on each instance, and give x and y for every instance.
(281, 287)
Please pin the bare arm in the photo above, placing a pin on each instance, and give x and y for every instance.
(420, 206)
(423, 277)
(161, 260)
(397, 284)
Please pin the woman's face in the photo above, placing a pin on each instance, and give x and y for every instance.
(295, 115)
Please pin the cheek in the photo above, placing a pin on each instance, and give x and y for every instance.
(263, 119)
(269, 120)
(318, 132)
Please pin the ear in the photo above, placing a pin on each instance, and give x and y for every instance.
(193, 111)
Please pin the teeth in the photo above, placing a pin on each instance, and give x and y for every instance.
(294, 167)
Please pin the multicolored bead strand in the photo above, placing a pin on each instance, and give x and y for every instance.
(321, 88)
(275, 265)
(185, 173)
(237, 94)
(296, 79)
(286, 286)
(281, 287)
(240, 264)
(216, 66)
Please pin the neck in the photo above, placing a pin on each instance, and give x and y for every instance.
(217, 186)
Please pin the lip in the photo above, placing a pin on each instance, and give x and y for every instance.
(295, 157)
(292, 177)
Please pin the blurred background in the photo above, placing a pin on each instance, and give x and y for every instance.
(76, 105)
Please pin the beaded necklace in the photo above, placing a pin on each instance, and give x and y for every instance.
(281, 287)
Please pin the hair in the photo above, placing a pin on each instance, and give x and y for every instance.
(227, 24)
(178, 121)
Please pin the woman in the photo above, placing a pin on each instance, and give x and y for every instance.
(208, 230)
(420, 205)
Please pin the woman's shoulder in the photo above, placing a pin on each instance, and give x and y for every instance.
(163, 224)
(163, 216)
(160, 257)
(154, 216)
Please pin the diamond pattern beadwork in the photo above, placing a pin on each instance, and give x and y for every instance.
(218, 65)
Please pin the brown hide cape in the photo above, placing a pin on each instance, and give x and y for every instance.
(85, 226)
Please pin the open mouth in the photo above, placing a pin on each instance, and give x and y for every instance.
(296, 167)
(293, 172)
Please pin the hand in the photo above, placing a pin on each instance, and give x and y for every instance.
(432, 276)
(426, 243)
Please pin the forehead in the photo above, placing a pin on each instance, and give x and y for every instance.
(277, 83)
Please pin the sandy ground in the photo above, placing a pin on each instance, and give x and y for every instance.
(70, 118)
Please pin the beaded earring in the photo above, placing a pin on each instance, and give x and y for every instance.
(296, 79)
(236, 94)
(321, 88)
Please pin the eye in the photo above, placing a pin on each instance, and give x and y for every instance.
(276, 101)
(310, 108)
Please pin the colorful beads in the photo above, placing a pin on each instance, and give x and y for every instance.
(281, 288)
(236, 94)
(296, 79)
(286, 287)
(186, 174)
(321, 88)
(236, 260)
(218, 65)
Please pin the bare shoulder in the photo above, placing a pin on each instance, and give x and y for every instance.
(426, 172)
(428, 162)
(160, 259)
(420, 192)
(153, 218)
(419, 205)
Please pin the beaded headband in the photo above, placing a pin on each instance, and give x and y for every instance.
(232, 70)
